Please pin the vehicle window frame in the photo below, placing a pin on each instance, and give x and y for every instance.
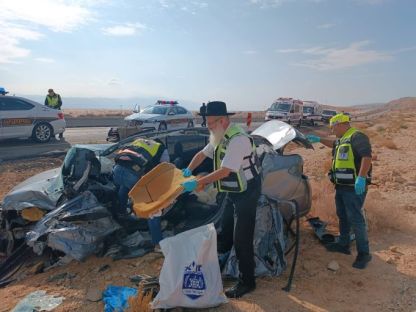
(10, 101)
(179, 109)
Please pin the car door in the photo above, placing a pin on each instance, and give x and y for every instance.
(17, 117)
(171, 118)
(182, 117)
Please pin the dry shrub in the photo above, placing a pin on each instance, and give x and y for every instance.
(323, 200)
(386, 142)
(381, 214)
(141, 302)
(385, 214)
(381, 129)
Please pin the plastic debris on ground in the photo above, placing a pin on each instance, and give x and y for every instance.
(134, 245)
(115, 298)
(38, 301)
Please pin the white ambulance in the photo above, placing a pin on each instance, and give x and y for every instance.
(286, 109)
(312, 112)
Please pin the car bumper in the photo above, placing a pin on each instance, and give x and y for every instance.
(282, 118)
(59, 126)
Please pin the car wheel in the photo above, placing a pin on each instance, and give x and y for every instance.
(288, 121)
(162, 126)
(300, 123)
(42, 132)
(312, 123)
(190, 124)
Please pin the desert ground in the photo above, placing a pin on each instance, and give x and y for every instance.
(388, 284)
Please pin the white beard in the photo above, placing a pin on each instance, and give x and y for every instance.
(215, 136)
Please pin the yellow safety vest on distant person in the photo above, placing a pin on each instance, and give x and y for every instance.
(236, 182)
(53, 101)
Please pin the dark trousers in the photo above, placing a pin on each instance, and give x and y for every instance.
(350, 212)
(204, 121)
(242, 206)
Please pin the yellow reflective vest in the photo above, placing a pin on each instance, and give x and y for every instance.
(236, 182)
(343, 165)
(141, 154)
(53, 101)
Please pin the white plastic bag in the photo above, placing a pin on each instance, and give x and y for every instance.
(190, 276)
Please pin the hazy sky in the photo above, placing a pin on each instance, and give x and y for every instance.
(245, 52)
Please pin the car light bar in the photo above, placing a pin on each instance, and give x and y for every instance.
(167, 102)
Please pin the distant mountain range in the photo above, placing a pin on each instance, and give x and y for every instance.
(111, 103)
(129, 103)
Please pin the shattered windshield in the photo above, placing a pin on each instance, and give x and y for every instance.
(157, 110)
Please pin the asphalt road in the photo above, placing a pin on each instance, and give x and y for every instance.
(20, 149)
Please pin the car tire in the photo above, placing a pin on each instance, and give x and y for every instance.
(190, 124)
(289, 122)
(42, 132)
(162, 127)
(312, 123)
(300, 123)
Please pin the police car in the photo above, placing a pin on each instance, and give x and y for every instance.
(24, 118)
(164, 115)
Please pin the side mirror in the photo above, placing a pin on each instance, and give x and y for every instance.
(136, 108)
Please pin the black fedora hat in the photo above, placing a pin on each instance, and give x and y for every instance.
(217, 108)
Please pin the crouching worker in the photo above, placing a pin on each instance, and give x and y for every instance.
(236, 173)
(131, 163)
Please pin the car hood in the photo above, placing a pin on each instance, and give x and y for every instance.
(279, 133)
(41, 190)
(140, 116)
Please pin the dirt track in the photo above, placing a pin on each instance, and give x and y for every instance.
(388, 284)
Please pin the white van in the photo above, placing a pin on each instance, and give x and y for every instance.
(312, 112)
(286, 109)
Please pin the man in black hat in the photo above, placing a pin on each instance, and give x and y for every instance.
(236, 173)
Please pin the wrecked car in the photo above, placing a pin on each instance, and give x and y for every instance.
(66, 208)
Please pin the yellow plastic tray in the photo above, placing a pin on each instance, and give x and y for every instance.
(157, 190)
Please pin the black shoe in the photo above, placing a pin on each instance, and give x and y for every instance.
(338, 248)
(239, 290)
(362, 261)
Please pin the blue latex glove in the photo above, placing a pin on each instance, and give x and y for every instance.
(190, 185)
(313, 138)
(360, 185)
(186, 172)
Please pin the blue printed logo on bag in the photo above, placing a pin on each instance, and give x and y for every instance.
(193, 281)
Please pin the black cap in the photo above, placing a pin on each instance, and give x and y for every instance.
(217, 108)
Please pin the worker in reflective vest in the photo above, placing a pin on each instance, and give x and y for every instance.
(351, 173)
(53, 100)
(235, 172)
(131, 163)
